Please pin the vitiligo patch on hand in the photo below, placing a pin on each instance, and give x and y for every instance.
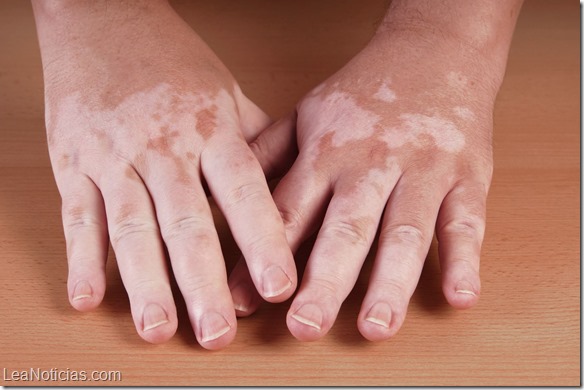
(163, 121)
(445, 133)
(335, 110)
(385, 94)
(339, 110)
(463, 113)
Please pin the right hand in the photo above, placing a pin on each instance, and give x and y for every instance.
(139, 113)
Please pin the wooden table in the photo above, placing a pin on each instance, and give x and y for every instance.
(524, 331)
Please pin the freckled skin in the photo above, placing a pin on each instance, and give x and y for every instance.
(76, 212)
(163, 144)
(207, 122)
(64, 161)
(132, 175)
(125, 211)
(377, 154)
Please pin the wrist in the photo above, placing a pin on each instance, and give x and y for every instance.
(57, 9)
(66, 17)
(473, 34)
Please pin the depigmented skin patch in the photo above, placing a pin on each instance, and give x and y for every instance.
(369, 131)
(179, 124)
(378, 158)
(385, 93)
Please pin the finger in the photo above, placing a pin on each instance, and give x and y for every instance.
(342, 244)
(404, 241)
(276, 147)
(253, 120)
(85, 229)
(246, 299)
(460, 230)
(300, 197)
(187, 227)
(136, 241)
(236, 181)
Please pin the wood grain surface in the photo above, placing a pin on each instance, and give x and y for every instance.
(526, 327)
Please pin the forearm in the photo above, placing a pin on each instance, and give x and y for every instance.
(55, 10)
(105, 39)
(63, 22)
(481, 30)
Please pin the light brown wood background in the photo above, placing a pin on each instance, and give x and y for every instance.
(524, 331)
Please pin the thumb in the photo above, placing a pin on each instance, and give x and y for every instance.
(276, 147)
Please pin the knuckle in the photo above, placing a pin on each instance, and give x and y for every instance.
(467, 227)
(329, 289)
(76, 218)
(257, 146)
(244, 193)
(262, 245)
(128, 227)
(151, 288)
(260, 149)
(79, 222)
(195, 227)
(407, 233)
(290, 217)
(198, 288)
(352, 231)
(394, 290)
(468, 265)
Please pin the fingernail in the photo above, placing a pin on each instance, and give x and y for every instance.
(275, 281)
(465, 287)
(241, 298)
(153, 316)
(310, 315)
(379, 314)
(213, 326)
(82, 291)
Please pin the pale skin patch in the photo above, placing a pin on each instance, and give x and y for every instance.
(378, 153)
(375, 139)
(464, 113)
(445, 133)
(335, 107)
(338, 108)
(385, 94)
(191, 117)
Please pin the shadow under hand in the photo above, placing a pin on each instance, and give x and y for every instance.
(428, 295)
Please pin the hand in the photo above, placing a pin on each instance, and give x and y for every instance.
(139, 113)
(398, 140)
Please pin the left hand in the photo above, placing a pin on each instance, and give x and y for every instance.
(399, 139)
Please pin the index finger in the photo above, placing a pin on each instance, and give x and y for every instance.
(239, 187)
